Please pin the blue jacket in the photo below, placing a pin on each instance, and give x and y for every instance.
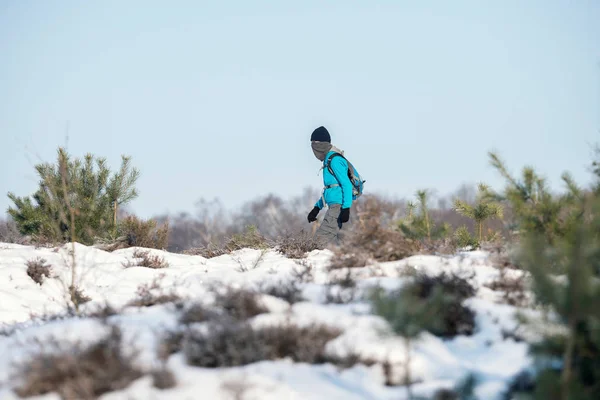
(341, 194)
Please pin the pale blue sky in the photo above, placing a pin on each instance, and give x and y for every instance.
(218, 99)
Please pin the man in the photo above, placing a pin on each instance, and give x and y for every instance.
(337, 192)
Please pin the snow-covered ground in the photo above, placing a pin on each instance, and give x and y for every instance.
(435, 363)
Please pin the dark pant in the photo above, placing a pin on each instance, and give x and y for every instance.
(329, 231)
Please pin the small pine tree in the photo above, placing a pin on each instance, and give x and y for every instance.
(420, 226)
(408, 315)
(463, 238)
(561, 236)
(121, 188)
(535, 209)
(84, 186)
(484, 208)
(576, 255)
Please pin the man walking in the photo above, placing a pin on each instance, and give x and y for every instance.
(338, 188)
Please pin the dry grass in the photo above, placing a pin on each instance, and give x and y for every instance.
(37, 269)
(78, 372)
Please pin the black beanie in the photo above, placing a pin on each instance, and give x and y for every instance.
(320, 135)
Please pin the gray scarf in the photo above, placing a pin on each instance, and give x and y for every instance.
(320, 149)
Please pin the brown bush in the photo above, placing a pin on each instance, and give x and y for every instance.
(514, 290)
(296, 245)
(196, 313)
(77, 295)
(342, 289)
(209, 251)
(230, 343)
(289, 291)
(353, 259)
(140, 233)
(143, 258)
(152, 294)
(456, 318)
(240, 304)
(37, 269)
(373, 236)
(78, 372)
(163, 378)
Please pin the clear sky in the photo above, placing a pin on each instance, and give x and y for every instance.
(218, 99)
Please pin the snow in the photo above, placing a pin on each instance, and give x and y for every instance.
(435, 363)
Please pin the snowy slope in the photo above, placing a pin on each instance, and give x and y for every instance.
(435, 363)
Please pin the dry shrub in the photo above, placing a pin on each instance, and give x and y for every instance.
(289, 291)
(102, 312)
(171, 343)
(152, 294)
(513, 288)
(78, 372)
(209, 251)
(143, 258)
(163, 378)
(501, 255)
(341, 289)
(230, 343)
(456, 318)
(250, 239)
(37, 269)
(354, 259)
(296, 245)
(148, 234)
(196, 313)
(77, 295)
(372, 236)
(239, 304)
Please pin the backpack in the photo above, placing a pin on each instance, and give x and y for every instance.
(355, 178)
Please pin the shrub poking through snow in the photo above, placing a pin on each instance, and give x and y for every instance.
(341, 289)
(197, 313)
(251, 239)
(77, 371)
(296, 246)
(163, 378)
(354, 259)
(151, 294)
(37, 269)
(370, 236)
(513, 288)
(229, 343)
(240, 304)
(289, 291)
(143, 258)
(140, 233)
(77, 295)
(455, 318)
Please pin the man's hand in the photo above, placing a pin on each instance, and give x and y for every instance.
(344, 215)
(312, 216)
